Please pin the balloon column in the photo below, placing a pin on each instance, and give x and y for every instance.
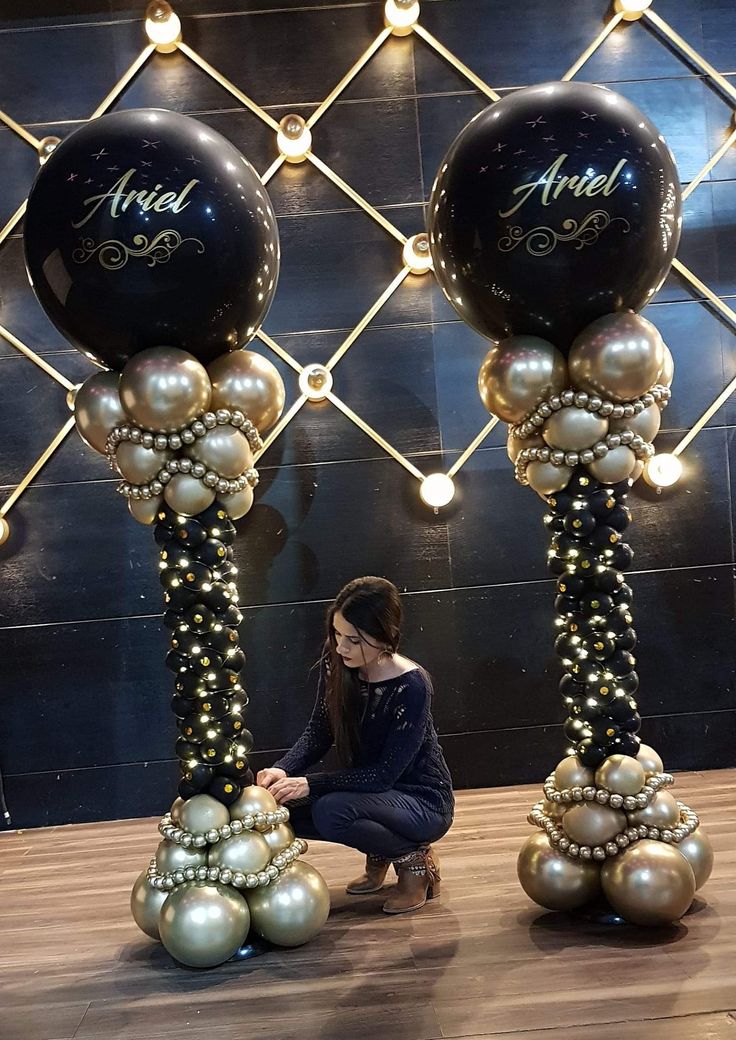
(151, 243)
(553, 219)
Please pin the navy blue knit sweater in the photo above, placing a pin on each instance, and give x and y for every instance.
(398, 745)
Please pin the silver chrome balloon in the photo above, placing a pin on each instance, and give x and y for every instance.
(163, 388)
(518, 373)
(291, 910)
(203, 923)
(145, 905)
(619, 356)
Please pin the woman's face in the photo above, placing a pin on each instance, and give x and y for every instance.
(355, 648)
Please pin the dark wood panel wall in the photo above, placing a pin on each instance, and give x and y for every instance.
(85, 728)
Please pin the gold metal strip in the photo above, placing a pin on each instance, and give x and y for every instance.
(475, 443)
(283, 354)
(362, 425)
(228, 86)
(349, 76)
(590, 51)
(280, 426)
(715, 158)
(703, 288)
(273, 169)
(19, 130)
(123, 82)
(686, 49)
(353, 194)
(707, 414)
(37, 466)
(35, 358)
(456, 63)
(15, 219)
(367, 318)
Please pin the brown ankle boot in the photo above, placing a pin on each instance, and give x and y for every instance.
(372, 879)
(419, 880)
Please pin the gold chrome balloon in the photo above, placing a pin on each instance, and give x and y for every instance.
(138, 464)
(163, 389)
(518, 373)
(247, 852)
(224, 450)
(650, 883)
(97, 409)
(571, 772)
(574, 429)
(620, 774)
(590, 823)
(253, 800)
(171, 856)
(248, 382)
(661, 812)
(617, 465)
(618, 356)
(555, 810)
(291, 910)
(649, 760)
(553, 880)
(176, 809)
(515, 445)
(667, 372)
(646, 424)
(203, 923)
(144, 510)
(145, 905)
(237, 504)
(187, 495)
(203, 813)
(546, 478)
(278, 838)
(698, 851)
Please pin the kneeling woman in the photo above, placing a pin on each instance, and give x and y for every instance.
(394, 795)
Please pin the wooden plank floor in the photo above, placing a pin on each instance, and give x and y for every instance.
(480, 962)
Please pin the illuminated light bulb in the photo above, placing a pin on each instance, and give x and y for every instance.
(196, 650)
(437, 490)
(632, 10)
(315, 382)
(416, 255)
(294, 139)
(663, 470)
(401, 16)
(46, 146)
(163, 27)
(4, 530)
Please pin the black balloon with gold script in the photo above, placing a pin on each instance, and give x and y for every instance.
(146, 227)
(554, 206)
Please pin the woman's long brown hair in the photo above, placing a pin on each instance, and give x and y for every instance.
(373, 607)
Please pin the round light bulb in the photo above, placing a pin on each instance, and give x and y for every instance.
(663, 471)
(632, 10)
(437, 490)
(46, 146)
(294, 139)
(315, 382)
(71, 396)
(163, 27)
(4, 530)
(401, 16)
(416, 255)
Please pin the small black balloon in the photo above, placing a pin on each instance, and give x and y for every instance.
(172, 618)
(605, 537)
(621, 556)
(590, 753)
(626, 744)
(619, 517)
(236, 768)
(623, 595)
(553, 522)
(621, 708)
(608, 580)
(232, 724)
(561, 502)
(168, 239)
(200, 618)
(598, 646)
(176, 662)
(222, 641)
(213, 552)
(619, 620)
(575, 730)
(219, 597)
(214, 749)
(569, 687)
(556, 564)
(195, 727)
(572, 585)
(566, 605)
(224, 789)
(601, 504)
(626, 640)
(629, 683)
(582, 484)
(213, 704)
(189, 686)
(185, 750)
(186, 789)
(180, 598)
(604, 730)
(189, 532)
(580, 523)
(621, 662)
(596, 603)
(200, 776)
(235, 659)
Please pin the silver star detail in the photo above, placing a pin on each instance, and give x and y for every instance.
(72, 177)
(536, 122)
(498, 147)
(98, 155)
(590, 115)
(150, 144)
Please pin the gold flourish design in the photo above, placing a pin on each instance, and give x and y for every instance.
(542, 240)
(113, 254)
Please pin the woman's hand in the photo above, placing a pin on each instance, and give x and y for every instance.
(290, 788)
(267, 777)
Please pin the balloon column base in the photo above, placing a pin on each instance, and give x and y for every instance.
(614, 845)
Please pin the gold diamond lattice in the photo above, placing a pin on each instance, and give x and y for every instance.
(401, 17)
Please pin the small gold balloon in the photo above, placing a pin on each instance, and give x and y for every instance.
(698, 851)
(546, 478)
(646, 424)
(164, 388)
(667, 372)
(555, 881)
(555, 810)
(650, 883)
(187, 495)
(203, 923)
(145, 510)
(515, 445)
(253, 800)
(291, 910)
(661, 812)
(245, 381)
(573, 429)
(139, 464)
(617, 465)
(649, 760)
(518, 373)
(238, 503)
(203, 813)
(145, 905)
(247, 852)
(97, 409)
(224, 450)
(176, 809)
(620, 774)
(171, 856)
(591, 823)
(278, 838)
(571, 772)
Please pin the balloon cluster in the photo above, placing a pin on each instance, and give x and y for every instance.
(220, 874)
(180, 433)
(615, 832)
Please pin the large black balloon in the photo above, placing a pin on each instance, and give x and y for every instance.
(554, 206)
(146, 227)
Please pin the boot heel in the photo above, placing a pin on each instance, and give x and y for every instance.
(433, 890)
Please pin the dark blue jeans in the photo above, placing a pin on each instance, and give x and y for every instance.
(389, 824)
